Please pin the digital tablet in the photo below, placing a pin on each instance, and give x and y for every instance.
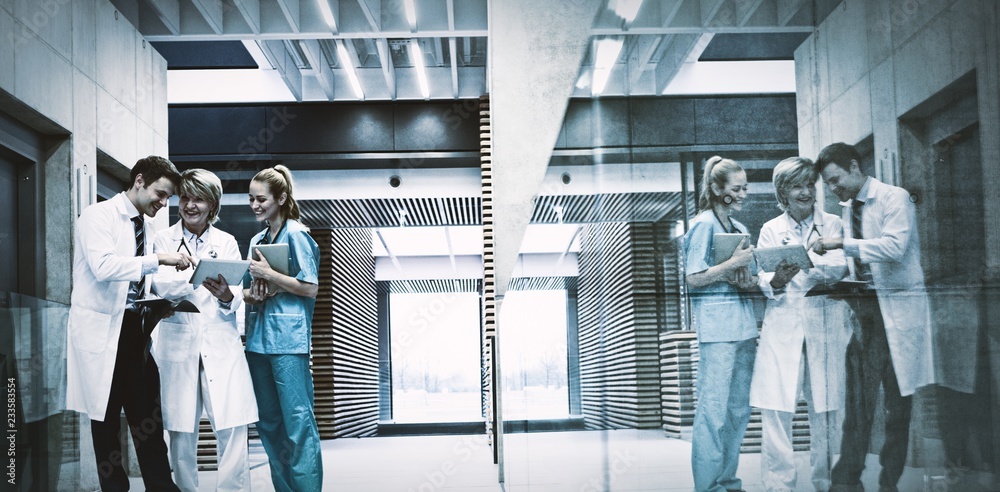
(725, 245)
(769, 258)
(277, 257)
(232, 270)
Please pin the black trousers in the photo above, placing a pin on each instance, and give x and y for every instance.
(868, 365)
(135, 387)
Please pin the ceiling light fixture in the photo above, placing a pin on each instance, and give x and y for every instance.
(348, 64)
(607, 50)
(417, 59)
(626, 9)
(324, 8)
(411, 14)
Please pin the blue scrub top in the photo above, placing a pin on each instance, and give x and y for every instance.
(283, 324)
(720, 311)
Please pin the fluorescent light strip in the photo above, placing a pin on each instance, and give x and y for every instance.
(411, 14)
(608, 50)
(348, 63)
(324, 8)
(417, 58)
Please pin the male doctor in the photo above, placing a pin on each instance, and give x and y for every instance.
(107, 364)
(894, 346)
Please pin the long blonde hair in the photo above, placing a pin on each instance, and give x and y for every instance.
(717, 171)
(279, 180)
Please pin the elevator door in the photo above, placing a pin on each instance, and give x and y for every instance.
(8, 226)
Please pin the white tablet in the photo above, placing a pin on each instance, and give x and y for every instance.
(769, 258)
(232, 270)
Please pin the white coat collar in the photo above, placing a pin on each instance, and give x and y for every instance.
(125, 206)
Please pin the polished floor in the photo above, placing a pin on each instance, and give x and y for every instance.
(623, 460)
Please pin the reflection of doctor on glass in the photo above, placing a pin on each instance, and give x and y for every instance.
(803, 339)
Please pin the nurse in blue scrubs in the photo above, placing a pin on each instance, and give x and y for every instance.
(279, 330)
(727, 329)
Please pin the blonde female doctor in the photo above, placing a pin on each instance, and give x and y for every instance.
(200, 354)
(803, 340)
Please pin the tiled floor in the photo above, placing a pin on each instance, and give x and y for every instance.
(622, 460)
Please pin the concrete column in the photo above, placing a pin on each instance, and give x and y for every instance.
(535, 54)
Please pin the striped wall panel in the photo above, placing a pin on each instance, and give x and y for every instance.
(617, 309)
(542, 283)
(489, 307)
(345, 335)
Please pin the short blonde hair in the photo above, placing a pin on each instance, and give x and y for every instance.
(791, 171)
(204, 185)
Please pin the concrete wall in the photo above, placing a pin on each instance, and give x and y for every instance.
(80, 73)
(875, 69)
(872, 61)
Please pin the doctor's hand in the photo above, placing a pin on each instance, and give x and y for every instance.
(822, 245)
(182, 261)
(219, 288)
(783, 274)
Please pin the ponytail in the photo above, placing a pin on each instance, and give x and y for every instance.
(279, 181)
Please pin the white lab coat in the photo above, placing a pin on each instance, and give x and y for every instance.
(104, 263)
(791, 319)
(891, 248)
(211, 336)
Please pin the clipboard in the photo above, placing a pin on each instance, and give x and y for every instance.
(157, 303)
(769, 258)
(277, 257)
(232, 270)
(841, 289)
(724, 245)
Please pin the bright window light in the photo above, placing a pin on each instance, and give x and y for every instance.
(608, 50)
(324, 8)
(626, 9)
(411, 13)
(352, 74)
(734, 77)
(417, 59)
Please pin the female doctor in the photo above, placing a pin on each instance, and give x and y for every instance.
(200, 355)
(803, 339)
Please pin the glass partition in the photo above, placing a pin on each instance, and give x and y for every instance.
(42, 439)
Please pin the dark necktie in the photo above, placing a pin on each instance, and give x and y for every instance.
(137, 289)
(861, 270)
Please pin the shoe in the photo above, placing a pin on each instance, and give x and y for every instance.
(735, 490)
(887, 488)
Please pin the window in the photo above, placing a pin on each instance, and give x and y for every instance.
(435, 354)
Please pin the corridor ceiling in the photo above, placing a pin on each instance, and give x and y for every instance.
(343, 50)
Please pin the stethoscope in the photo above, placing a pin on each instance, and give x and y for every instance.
(788, 237)
(211, 252)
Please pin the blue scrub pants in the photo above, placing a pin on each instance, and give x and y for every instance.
(284, 389)
(724, 373)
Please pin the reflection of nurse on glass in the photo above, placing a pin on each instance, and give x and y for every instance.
(279, 330)
(727, 328)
